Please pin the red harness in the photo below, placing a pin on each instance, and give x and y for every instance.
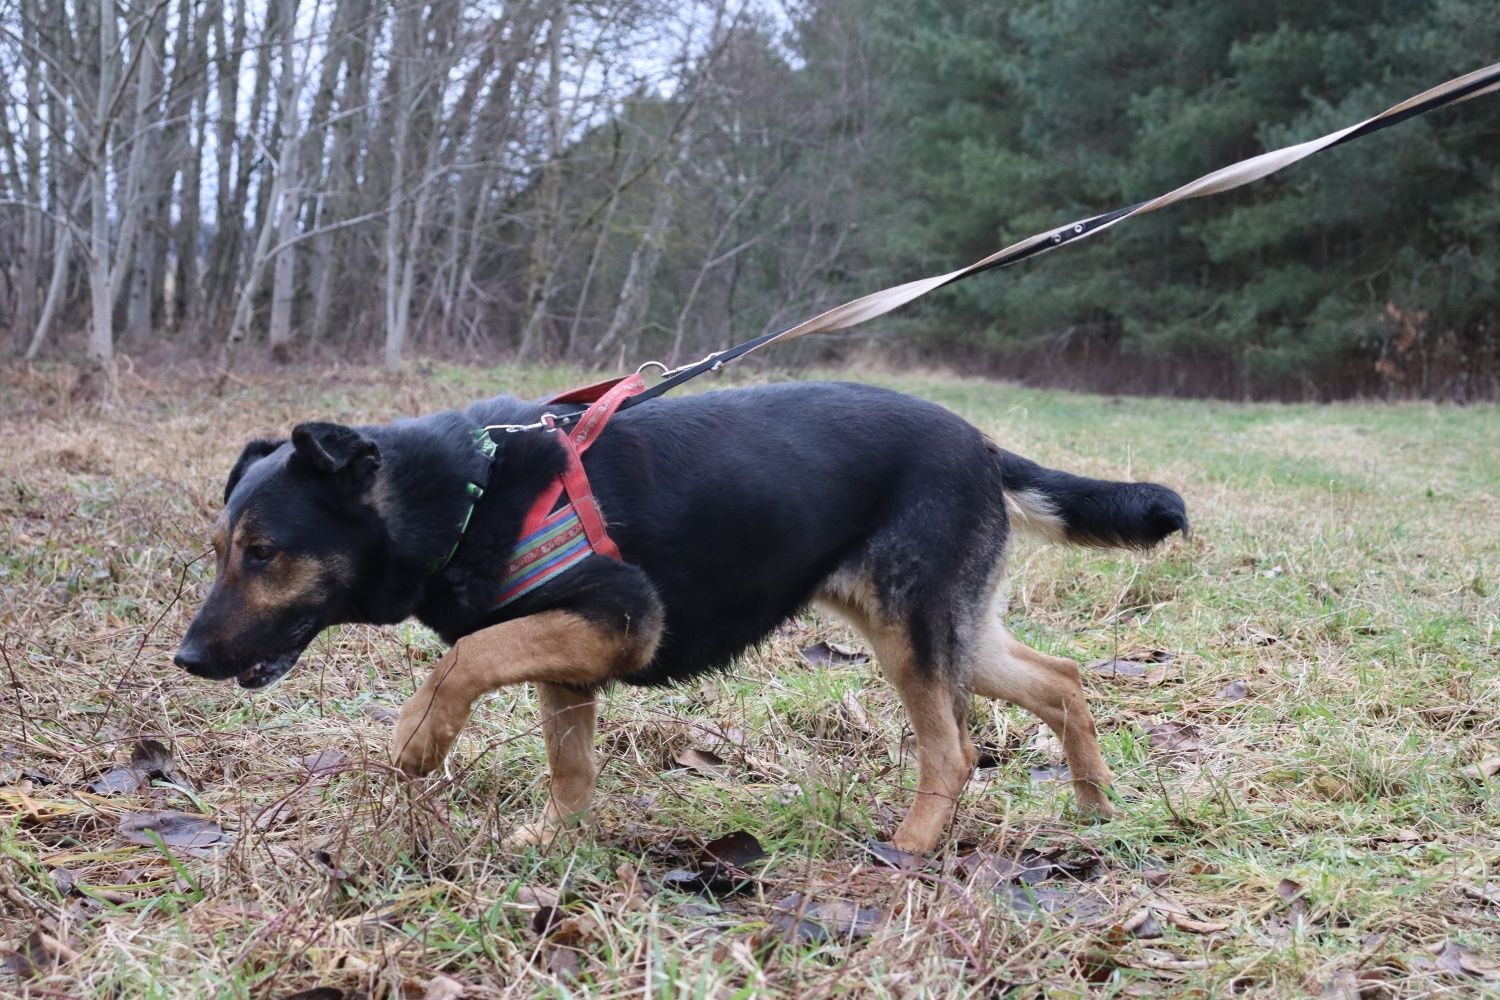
(553, 541)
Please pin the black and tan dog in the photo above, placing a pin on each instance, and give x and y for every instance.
(732, 510)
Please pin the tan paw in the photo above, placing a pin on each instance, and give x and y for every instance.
(539, 833)
(422, 739)
(916, 838)
(1093, 801)
(543, 830)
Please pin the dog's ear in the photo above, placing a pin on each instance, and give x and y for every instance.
(254, 452)
(336, 450)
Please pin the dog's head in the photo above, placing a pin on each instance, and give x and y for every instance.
(297, 534)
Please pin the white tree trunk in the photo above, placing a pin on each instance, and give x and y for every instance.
(101, 349)
(283, 281)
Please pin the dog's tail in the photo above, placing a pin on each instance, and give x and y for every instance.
(1076, 510)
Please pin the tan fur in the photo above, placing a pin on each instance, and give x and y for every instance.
(569, 719)
(553, 647)
(1033, 511)
(998, 666)
(221, 534)
(1048, 687)
(285, 580)
(945, 756)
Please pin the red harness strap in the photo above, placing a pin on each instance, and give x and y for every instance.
(549, 545)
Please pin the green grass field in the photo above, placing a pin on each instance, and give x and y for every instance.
(1301, 763)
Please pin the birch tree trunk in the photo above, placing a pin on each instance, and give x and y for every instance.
(27, 312)
(405, 42)
(284, 278)
(542, 279)
(62, 245)
(635, 292)
(101, 346)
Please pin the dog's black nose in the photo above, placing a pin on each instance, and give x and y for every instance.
(192, 659)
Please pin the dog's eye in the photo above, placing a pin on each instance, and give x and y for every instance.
(260, 553)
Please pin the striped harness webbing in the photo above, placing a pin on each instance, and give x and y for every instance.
(555, 539)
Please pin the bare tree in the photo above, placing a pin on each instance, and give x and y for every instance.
(347, 174)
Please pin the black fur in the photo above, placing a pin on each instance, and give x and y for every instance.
(254, 451)
(732, 511)
(1096, 511)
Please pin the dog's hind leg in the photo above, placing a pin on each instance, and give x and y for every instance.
(1048, 687)
(938, 713)
(945, 756)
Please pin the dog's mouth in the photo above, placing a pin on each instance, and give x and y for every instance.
(273, 668)
(268, 672)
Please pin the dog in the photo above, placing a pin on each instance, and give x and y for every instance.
(732, 510)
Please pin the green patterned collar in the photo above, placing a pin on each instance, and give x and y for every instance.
(475, 491)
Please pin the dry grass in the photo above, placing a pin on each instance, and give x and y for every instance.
(1321, 833)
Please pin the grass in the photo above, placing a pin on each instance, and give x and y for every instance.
(1320, 833)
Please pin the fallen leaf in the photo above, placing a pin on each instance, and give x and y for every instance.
(1052, 772)
(65, 880)
(1133, 664)
(1156, 877)
(1234, 691)
(1164, 961)
(1142, 924)
(1400, 835)
(176, 829)
(39, 955)
(563, 962)
(988, 870)
(384, 714)
(1185, 923)
(720, 867)
(443, 988)
(316, 993)
(855, 713)
(325, 762)
(630, 885)
(738, 850)
(538, 895)
(815, 921)
(274, 815)
(1487, 768)
(1488, 893)
(1454, 958)
(1173, 738)
(1065, 901)
(893, 857)
(832, 654)
(703, 761)
(1290, 891)
(117, 781)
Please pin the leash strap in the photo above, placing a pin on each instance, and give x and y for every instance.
(867, 307)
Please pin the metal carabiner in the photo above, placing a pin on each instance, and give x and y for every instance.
(548, 422)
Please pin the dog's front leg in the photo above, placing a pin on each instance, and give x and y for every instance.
(558, 650)
(569, 716)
